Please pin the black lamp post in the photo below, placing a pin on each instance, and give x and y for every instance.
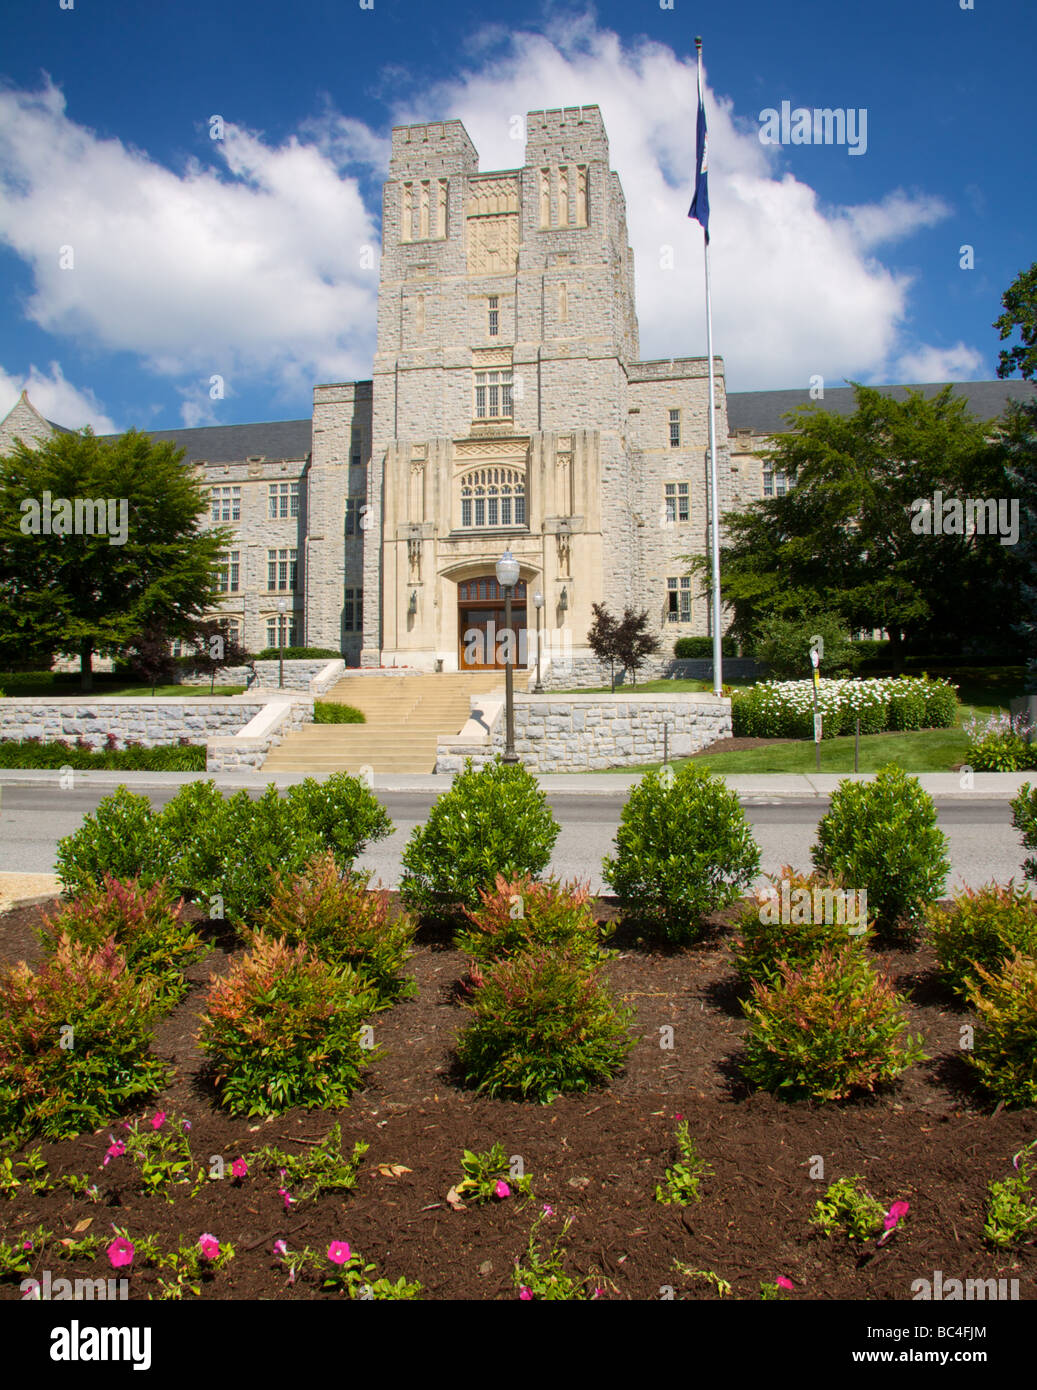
(538, 603)
(282, 608)
(507, 578)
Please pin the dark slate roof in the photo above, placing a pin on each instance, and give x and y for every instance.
(761, 411)
(272, 439)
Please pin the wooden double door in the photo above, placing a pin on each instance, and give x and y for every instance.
(483, 643)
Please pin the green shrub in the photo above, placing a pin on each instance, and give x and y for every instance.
(985, 927)
(882, 835)
(542, 1025)
(118, 839)
(1024, 818)
(344, 812)
(907, 709)
(331, 712)
(683, 849)
(999, 744)
(75, 1042)
(680, 1184)
(701, 648)
(827, 1031)
(784, 645)
(299, 654)
(490, 822)
(1005, 1054)
(764, 942)
(343, 922)
(147, 924)
(285, 1029)
(941, 705)
(176, 757)
(485, 1172)
(218, 848)
(515, 915)
(1011, 1217)
(848, 1208)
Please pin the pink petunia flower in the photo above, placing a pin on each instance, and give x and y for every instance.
(209, 1246)
(159, 1120)
(502, 1189)
(26, 1244)
(892, 1217)
(525, 1293)
(120, 1252)
(280, 1247)
(548, 1209)
(187, 1124)
(239, 1168)
(338, 1252)
(115, 1150)
(784, 1283)
(680, 1117)
(288, 1198)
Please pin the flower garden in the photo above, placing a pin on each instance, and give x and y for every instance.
(231, 1068)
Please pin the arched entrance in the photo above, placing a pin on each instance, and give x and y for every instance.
(481, 626)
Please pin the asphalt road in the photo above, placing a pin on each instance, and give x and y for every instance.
(983, 843)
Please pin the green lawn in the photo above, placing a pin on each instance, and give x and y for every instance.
(931, 750)
(19, 687)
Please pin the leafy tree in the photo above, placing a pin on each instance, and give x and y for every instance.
(634, 642)
(70, 583)
(1020, 441)
(784, 645)
(149, 656)
(1019, 302)
(602, 638)
(844, 539)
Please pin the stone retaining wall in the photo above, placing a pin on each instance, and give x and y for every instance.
(588, 671)
(584, 732)
(145, 720)
(250, 745)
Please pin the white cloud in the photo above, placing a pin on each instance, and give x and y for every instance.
(252, 268)
(925, 364)
(56, 399)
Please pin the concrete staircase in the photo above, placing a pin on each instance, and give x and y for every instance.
(405, 716)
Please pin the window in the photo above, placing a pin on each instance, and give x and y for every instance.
(354, 515)
(225, 503)
(675, 429)
(284, 500)
(353, 610)
(355, 448)
(281, 569)
(493, 394)
(494, 316)
(493, 497)
(228, 572)
(287, 622)
(231, 629)
(678, 593)
(775, 483)
(677, 502)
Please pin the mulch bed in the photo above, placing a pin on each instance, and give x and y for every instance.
(932, 1140)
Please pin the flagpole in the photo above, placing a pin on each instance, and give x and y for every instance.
(718, 678)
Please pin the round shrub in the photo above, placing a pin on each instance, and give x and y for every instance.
(284, 1029)
(1005, 1054)
(941, 705)
(542, 1025)
(827, 1031)
(882, 835)
(75, 1040)
(984, 927)
(343, 922)
(792, 923)
(119, 839)
(343, 811)
(331, 712)
(683, 849)
(519, 914)
(148, 927)
(1024, 818)
(490, 822)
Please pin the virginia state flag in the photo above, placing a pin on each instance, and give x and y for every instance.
(700, 202)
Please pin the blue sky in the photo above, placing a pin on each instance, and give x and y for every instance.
(245, 257)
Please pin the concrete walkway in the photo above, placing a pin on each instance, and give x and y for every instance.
(986, 786)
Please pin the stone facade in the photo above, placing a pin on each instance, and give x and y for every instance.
(151, 722)
(585, 732)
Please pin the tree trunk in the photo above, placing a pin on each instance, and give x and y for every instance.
(86, 664)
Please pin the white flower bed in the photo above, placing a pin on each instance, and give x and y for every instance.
(785, 709)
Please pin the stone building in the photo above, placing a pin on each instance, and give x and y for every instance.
(508, 410)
